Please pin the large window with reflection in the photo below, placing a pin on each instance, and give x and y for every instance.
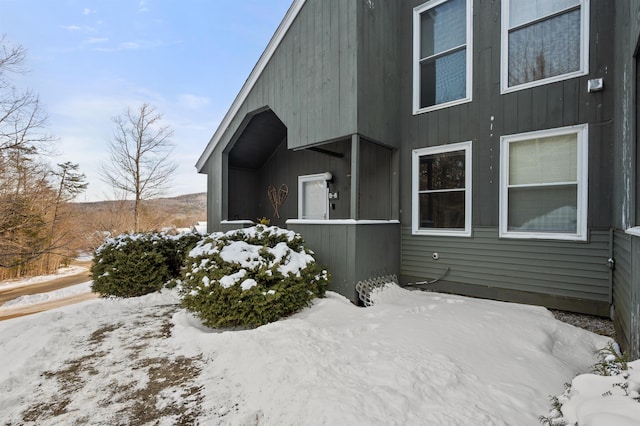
(313, 196)
(543, 41)
(442, 54)
(442, 190)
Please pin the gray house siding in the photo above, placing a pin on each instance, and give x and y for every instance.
(376, 185)
(569, 275)
(339, 245)
(341, 80)
(626, 292)
(311, 84)
(285, 166)
(574, 273)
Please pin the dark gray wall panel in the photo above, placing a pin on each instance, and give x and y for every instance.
(622, 287)
(354, 252)
(242, 195)
(625, 197)
(283, 168)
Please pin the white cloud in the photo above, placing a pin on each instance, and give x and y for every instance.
(95, 40)
(87, 11)
(72, 27)
(77, 28)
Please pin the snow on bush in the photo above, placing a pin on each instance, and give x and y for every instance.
(250, 277)
(131, 265)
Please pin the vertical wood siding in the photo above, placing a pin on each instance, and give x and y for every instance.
(353, 252)
(377, 69)
(310, 81)
(248, 188)
(565, 270)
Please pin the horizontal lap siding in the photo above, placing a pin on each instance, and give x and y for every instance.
(574, 270)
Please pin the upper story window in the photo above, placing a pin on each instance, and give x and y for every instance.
(441, 195)
(543, 41)
(442, 59)
(543, 189)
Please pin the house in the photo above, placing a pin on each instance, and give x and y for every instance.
(486, 147)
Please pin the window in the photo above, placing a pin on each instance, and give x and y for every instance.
(544, 184)
(543, 41)
(442, 190)
(442, 54)
(313, 196)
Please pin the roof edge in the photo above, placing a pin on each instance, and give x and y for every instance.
(275, 41)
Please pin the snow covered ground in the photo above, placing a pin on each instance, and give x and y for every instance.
(415, 358)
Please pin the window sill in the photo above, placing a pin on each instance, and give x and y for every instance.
(542, 236)
(441, 106)
(441, 233)
(339, 222)
(543, 82)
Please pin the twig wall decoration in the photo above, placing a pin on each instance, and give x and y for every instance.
(277, 197)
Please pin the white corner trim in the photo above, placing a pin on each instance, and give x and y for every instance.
(581, 234)
(275, 41)
(635, 231)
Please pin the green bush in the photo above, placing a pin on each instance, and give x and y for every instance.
(250, 277)
(133, 265)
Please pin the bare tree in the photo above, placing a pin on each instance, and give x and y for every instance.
(140, 163)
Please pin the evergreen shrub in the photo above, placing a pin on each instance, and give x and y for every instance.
(133, 265)
(250, 277)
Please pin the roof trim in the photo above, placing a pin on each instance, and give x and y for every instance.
(275, 41)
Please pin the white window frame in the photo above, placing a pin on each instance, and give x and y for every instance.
(582, 160)
(324, 177)
(415, 190)
(584, 54)
(417, 11)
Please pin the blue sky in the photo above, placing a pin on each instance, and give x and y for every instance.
(89, 60)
